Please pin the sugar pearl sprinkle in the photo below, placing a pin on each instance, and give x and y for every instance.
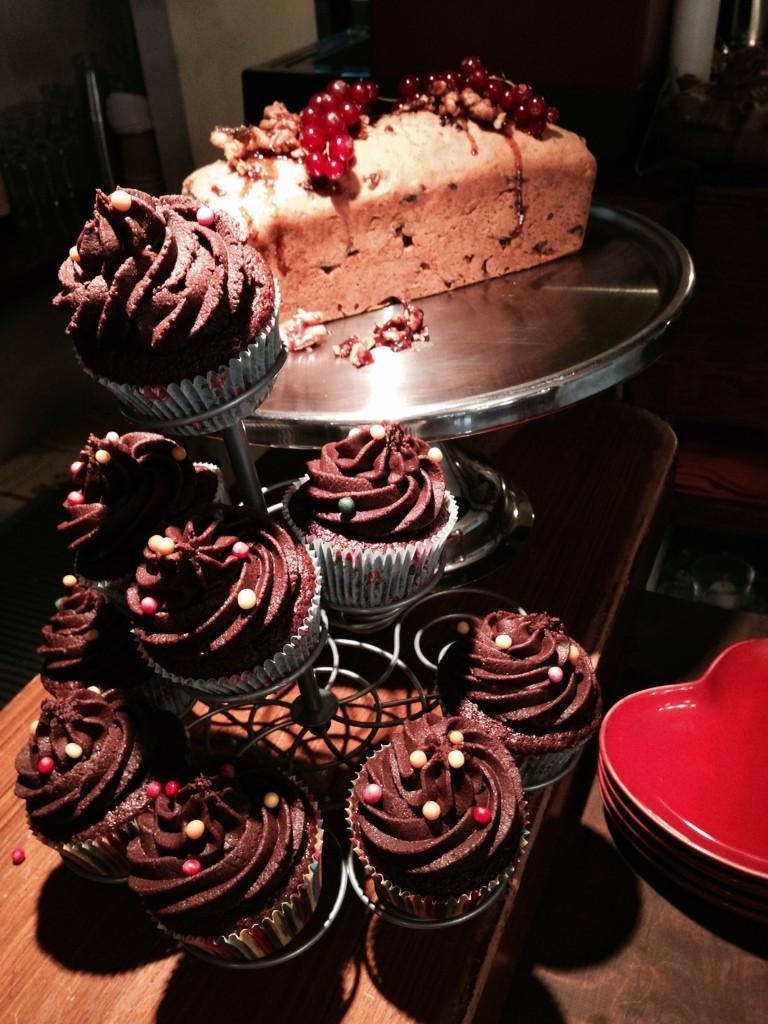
(171, 788)
(154, 789)
(102, 456)
(240, 550)
(503, 641)
(153, 541)
(205, 216)
(148, 605)
(69, 580)
(120, 201)
(573, 653)
(456, 759)
(112, 436)
(75, 498)
(431, 810)
(246, 599)
(45, 765)
(462, 628)
(57, 604)
(191, 867)
(165, 546)
(75, 468)
(372, 793)
(178, 454)
(435, 454)
(455, 737)
(346, 506)
(555, 673)
(73, 751)
(74, 255)
(482, 815)
(271, 800)
(92, 634)
(33, 727)
(18, 856)
(194, 829)
(418, 758)
(378, 432)
(227, 770)
(95, 689)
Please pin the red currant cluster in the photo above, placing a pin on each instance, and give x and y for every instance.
(329, 125)
(529, 112)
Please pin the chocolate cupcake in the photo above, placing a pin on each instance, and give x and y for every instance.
(169, 308)
(375, 509)
(526, 675)
(229, 605)
(437, 817)
(85, 770)
(232, 868)
(87, 643)
(127, 489)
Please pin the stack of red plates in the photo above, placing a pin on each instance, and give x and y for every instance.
(684, 777)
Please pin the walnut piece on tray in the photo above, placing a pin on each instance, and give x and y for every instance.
(401, 331)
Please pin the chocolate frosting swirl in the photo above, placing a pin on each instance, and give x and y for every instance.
(514, 687)
(250, 856)
(398, 491)
(453, 854)
(156, 297)
(98, 791)
(87, 643)
(143, 482)
(199, 629)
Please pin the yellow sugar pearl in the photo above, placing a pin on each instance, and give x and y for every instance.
(246, 599)
(271, 800)
(112, 436)
(74, 255)
(456, 759)
(431, 810)
(194, 829)
(153, 541)
(178, 454)
(92, 634)
(462, 628)
(102, 457)
(73, 751)
(165, 546)
(377, 432)
(455, 737)
(435, 454)
(33, 727)
(120, 201)
(418, 758)
(95, 689)
(503, 641)
(354, 432)
(69, 580)
(573, 653)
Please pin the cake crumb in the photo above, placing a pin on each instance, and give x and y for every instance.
(398, 333)
(303, 331)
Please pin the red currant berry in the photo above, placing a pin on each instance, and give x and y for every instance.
(310, 115)
(360, 94)
(522, 115)
(536, 126)
(316, 164)
(323, 101)
(373, 92)
(335, 169)
(349, 113)
(477, 79)
(537, 106)
(331, 123)
(553, 115)
(524, 93)
(508, 99)
(410, 86)
(495, 88)
(338, 88)
(313, 138)
(428, 81)
(342, 148)
(469, 64)
(453, 79)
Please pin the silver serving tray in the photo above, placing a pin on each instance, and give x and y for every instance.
(501, 351)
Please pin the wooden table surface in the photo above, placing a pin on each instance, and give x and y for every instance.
(81, 952)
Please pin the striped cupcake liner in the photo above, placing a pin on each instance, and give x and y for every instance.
(382, 575)
(282, 665)
(416, 905)
(100, 859)
(192, 397)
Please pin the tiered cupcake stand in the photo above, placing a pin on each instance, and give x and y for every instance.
(504, 351)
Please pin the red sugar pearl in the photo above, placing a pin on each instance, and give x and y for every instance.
(18, 856)
(191, 867)
(172, 788)
(482, 815)
(154, 789)
(240, 549)
(148, 605)
(45, 765)
(75, 498)
(372, 793)
(227, 770)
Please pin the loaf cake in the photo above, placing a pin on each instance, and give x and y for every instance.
(447, 189)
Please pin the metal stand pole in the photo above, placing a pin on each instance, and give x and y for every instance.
(243, 467)
(315, 707)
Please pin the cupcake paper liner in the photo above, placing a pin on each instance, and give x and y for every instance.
(102, 857)
(381, 576)
(538, 770)
(282, 664)
(276, 929)
(429, 908)
(168, 696)
(201, 394)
